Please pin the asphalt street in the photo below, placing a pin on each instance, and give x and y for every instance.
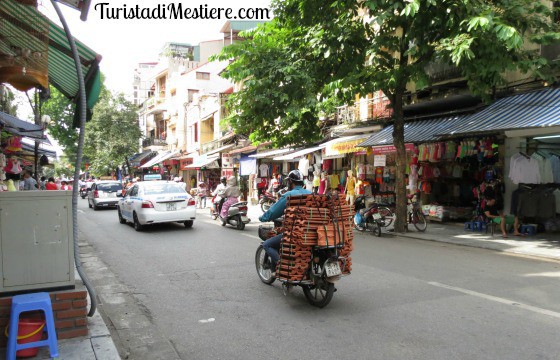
(175, 293)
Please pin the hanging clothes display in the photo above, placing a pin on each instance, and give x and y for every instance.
(524, 169)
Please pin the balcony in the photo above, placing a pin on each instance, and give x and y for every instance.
(439, 72)
(153, 142)
(364, 110)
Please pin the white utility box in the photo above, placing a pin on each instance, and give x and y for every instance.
(36, 245)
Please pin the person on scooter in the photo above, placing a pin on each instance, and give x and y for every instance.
(231, 194)
(218, 193)
(295, 182)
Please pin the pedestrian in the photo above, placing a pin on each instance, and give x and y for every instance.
(201, 193)
(51, 185)
(28, 182)
(64, 185)
(43, 183)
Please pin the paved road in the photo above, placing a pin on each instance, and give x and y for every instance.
(176, 293)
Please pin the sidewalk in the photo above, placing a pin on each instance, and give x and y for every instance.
(544, 245)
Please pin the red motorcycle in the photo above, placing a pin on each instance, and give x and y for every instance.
(266, 200)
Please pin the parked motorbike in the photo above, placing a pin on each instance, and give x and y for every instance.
(324, 269)
(266, 200)
(236, 216)
(371, 218)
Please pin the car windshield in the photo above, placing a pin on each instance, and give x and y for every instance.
(109, 187)
(163, 188)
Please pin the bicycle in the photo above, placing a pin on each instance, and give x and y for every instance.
(414, 214)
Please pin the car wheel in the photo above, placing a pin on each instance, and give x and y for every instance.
(189, 224)
(121, 219)
(95, 207)
(137, 225)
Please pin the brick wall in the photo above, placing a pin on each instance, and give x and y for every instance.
(69, 308)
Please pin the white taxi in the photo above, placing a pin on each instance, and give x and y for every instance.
(153, 202)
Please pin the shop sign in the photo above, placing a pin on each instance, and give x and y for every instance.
(380, 160)
(343, 147)
(185, 162)
(227, 173)
(385, 149)
(227, 161)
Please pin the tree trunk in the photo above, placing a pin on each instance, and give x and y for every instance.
(398, 140)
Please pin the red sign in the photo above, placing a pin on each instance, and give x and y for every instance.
(390, 148)
(185, 162)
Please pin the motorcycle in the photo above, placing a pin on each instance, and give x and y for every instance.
(371, 218)
(323, 270)
(83, 191)
(266, 200)
(236, 216)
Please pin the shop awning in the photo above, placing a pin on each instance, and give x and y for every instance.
(15, 126)
(220, 149)
(160, 158)
(203, 161)
(30, 148)
(137, 159)
(530, 110)
(417, 131)
(296, 155)
(24, 28)
(270, 154)
(339, 147)
(244, 150)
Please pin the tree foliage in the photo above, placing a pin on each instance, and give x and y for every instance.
(61, 111)
(8, 102)
(112, 134)
(319, 52)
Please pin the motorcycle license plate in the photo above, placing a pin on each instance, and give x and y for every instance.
(171, 206)
(332, 268)
(377, 216)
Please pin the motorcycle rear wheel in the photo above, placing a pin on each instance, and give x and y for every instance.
(265, 205)
(320, 294)
(263, 264)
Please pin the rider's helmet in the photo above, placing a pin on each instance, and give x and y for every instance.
(223, 180)
(295, 177)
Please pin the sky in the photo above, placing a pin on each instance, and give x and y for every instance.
(124, 43)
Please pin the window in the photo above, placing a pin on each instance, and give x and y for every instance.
(202, 75)
(190, 94)
(196, 132)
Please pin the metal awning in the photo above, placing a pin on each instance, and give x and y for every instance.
(271, 154)
(202, 161)
(23, 27)
(160, 158)
(15, 126)
(537, 109)
(417, 131)
(293, 156)
(220, 149)
(136, 159)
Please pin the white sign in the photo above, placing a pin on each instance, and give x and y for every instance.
(227, 161)
(380, 160)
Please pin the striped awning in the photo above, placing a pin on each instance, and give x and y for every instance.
(24, 28)
(530, 110)
(417, 131)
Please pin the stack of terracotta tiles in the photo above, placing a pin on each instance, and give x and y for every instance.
(314, 220)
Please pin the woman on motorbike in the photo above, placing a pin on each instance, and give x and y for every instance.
(231, 194)
(218, 193)
(295, 184)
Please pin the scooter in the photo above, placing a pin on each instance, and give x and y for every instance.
(266, 200)
(324, 269)
(236, 216)
(83, 191)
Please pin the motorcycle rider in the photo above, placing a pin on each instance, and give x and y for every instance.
(231, 194)
(295, 182)
(218, 193)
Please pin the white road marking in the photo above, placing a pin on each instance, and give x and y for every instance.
(205, 321)
(251, 236)
(498, 299)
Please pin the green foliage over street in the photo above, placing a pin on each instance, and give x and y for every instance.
(112, 134)
(318, 52)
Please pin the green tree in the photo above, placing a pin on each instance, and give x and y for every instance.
(317, 52)
(112, 134)
(8, 102)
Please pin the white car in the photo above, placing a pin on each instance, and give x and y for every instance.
(153, 202)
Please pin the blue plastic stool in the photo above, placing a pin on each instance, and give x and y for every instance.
(528, 229)
(31, 302)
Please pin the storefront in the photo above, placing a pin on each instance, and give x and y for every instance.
(204, 168)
